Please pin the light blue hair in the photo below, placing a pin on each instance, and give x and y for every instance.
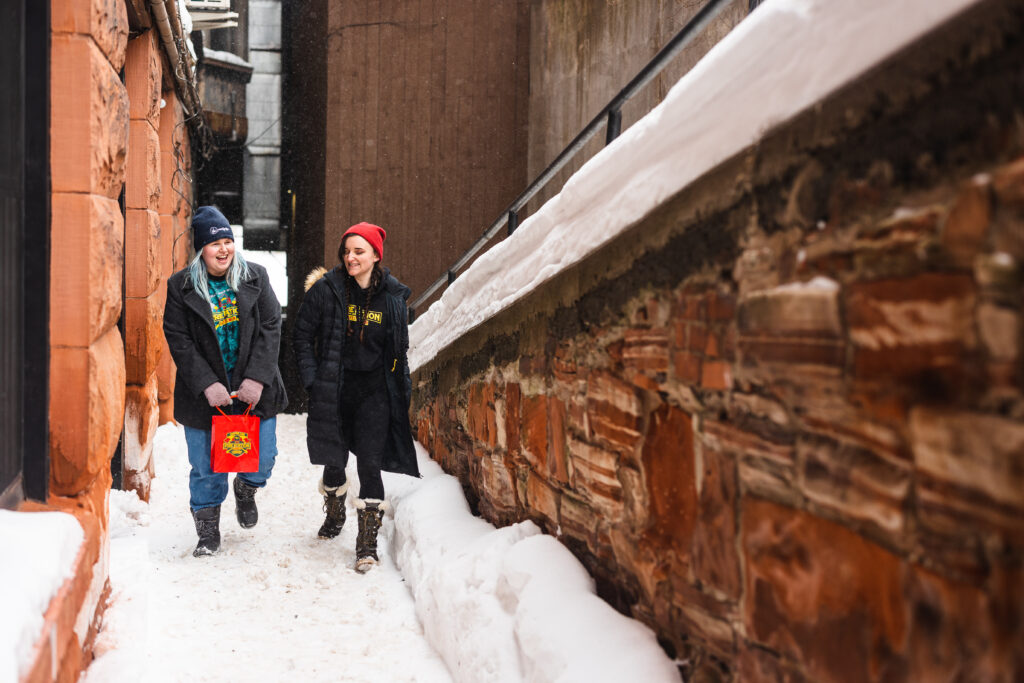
(237, 272)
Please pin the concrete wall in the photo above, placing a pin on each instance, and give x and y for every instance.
(440, 113)
(426, 125)
(583, 52)
(781, 420)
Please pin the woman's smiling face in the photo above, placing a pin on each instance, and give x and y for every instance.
(218, 256)
(359, 258)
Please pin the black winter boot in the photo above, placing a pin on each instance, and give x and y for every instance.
(245, 504)
(371, 516)
(334, 506)
(208, 527)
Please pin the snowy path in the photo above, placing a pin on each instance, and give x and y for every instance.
(276, 604)
(472, 603)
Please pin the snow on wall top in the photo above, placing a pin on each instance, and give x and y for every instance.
(783, 58)
(39, 550)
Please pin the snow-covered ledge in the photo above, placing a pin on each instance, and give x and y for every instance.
(781, 60)
(39, 552)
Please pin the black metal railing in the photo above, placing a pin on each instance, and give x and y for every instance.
(610, 117)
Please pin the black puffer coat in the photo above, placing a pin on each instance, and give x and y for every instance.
(319, 339)
(188, 327)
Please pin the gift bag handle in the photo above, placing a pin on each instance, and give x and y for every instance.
(248, 407)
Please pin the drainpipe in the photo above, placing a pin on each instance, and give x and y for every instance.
(165, 14)
(163, 23)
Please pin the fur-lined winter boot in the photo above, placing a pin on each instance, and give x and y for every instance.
(371, 515)
(334, 506)
(245, 504)
(208, 527)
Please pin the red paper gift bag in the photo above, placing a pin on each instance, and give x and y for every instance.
(235, 442)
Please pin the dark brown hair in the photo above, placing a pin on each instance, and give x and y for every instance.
(351, 287)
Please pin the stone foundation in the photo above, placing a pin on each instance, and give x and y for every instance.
(781, 420)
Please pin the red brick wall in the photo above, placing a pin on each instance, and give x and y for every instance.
(789, 432)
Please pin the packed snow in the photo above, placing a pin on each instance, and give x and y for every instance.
(226, 57)
(454, 599)
(39, 551)
(783, 58)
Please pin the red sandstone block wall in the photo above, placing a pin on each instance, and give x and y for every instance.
(789, 436)
(105, 135)
(175, 211)
(89, 140)
(822, 480)
(143, 309)
(158, 207)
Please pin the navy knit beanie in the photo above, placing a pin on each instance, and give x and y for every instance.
(209, 225)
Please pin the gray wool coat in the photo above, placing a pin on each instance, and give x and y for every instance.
(192, 339)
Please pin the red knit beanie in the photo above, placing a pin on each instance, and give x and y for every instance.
(374, 234)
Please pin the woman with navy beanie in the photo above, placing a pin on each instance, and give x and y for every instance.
(222, 322)
(351, 336)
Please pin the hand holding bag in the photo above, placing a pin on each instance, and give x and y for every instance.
(235, 442)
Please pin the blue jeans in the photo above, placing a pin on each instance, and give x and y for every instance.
(209, 488)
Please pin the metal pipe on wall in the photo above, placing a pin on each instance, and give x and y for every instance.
(162, 13)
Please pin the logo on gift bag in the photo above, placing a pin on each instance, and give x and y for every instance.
(237, 444)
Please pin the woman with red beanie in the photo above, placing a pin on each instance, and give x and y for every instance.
(351, 336)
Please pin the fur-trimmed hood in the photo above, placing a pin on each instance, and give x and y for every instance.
(313, 276)
(391, 284)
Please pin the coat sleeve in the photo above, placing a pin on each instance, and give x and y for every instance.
(307, 326)
(403, 347)
(193, 367)
(263, 360)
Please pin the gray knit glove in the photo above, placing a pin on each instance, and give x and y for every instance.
(217, 395)
(249, 391)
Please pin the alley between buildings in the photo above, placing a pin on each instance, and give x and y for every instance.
(278, 604)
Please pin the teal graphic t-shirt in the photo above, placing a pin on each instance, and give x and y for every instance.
(224, 304)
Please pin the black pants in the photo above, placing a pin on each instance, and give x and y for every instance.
(365, 421)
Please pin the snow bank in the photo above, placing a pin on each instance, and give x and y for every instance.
(39, 550)
(130, 575)
(783, 58)
(510, 604)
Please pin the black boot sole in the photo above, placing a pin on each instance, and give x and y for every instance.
(203, 552)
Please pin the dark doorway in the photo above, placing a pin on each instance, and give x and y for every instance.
(24, 251)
